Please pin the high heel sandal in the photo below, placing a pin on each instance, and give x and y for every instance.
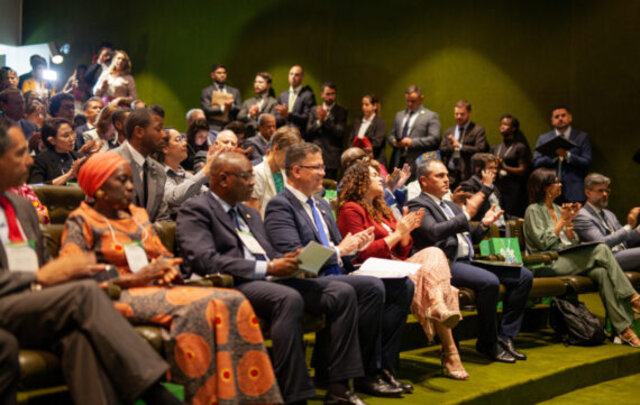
(460, 375)
(448, 319)
(629, 339)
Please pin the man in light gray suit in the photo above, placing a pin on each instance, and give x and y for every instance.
(262, 103)
(143, 130)
(415, 130)
(595, 223)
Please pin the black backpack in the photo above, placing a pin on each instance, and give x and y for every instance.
(574, 324)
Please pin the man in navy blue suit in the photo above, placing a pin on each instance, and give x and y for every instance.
(447, 227)
(570, 165)
(296, 217)
(294, 105)
(216, 233)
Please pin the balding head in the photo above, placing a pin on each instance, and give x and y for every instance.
(232, 177)
(226, 140)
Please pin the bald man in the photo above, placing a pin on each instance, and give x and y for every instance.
(295, 104)
(217, 233)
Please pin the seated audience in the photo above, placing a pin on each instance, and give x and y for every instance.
(28, 194)
(103, 359)
(446, 226)
(296, 217)
(596, 223)
(549, 227)
(8, 78)
(91, 109)
(514, 159)
(326, 128)
(181, 185)
(117, 80)
(371, 126)
(262, 103)
(220, 114)
(61, 106)
(239, 129)
(12, 106)
(59, 163)
(269, 175)
(435, 301)
(137, 104)
(260, 142)
(196, 141)
(143, 130)
(364, 144)
(461, 142)
(485, 169)
(119, 233)
(212, 231)
(295, 104)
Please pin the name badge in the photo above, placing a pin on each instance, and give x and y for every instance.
(21, 256)
(251, 243)
(136, 256)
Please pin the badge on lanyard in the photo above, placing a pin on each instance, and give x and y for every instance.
(136, 256)
(21, 256)
(251, 243)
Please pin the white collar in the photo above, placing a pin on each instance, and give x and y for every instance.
(370, 118)
(566, 133)
(433, 197)
(298, 194)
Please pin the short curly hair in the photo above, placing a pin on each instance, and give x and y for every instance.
(355, 184)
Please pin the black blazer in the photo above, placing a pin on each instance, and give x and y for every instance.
(473, 141)
(437, 230)
(214, 114)
(328, 135)
(376, 135)
(299, 116)
(46, 166)
(209, 243)
(15, 281)
(289, 227)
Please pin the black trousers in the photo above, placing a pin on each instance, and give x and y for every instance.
(104, 360)
(9, 368)
(283, 303)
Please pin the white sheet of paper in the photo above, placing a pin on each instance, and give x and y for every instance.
(21, 257)
(314, 256)
(385, 268)
(136, 256)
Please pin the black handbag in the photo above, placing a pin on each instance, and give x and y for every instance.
(574, 323)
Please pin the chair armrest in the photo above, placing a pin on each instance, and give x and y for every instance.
(213, 280)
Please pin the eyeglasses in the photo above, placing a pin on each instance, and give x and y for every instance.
(319, 167)
(243, 175)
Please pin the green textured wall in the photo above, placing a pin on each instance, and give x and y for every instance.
(503, 56)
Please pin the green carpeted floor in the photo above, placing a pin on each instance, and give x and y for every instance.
(621, 391)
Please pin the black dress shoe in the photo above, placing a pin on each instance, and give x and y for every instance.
(376, 386)
(348, 398)
(497, 353)
(392, 381)
(507, 345)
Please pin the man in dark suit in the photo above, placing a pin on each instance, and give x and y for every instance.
(460, 143)
(260, 142)
(91, 110)
(105, 54)
(143, 130)
(216, 233)
(485, 169)
(415, 130)
(104, 361)
(220, 115)
(326, 128)
(262, 103)
(295, 104)
(570, 165)
(296, 217)
(447, 227)
(595, 223)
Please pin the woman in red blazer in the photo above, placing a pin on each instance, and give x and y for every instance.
(435, 302)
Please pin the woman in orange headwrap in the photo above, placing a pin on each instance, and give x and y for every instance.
(215, 349)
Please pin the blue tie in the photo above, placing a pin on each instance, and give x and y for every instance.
(450, 214)
(318, 221)
(330, 270)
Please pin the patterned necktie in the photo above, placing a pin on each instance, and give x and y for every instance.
(12, 221)
(405, 129)
(450, 214)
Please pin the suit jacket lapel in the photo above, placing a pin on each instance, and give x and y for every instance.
(302, 212)
(598, 218)
(334, 233)
(221, 215)
(152, 184)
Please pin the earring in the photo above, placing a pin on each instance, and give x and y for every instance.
(99, 194)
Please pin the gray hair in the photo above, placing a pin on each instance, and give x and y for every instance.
(193, 111)
(262, 117)
(425, 168)
(594, 179)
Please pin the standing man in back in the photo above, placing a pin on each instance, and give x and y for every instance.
(294, 105)
(224, 108)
